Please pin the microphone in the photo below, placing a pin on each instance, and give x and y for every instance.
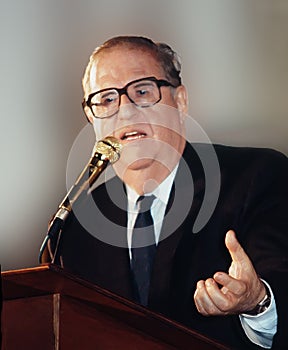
(105, 151)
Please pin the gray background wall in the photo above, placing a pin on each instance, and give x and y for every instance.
(234, 55)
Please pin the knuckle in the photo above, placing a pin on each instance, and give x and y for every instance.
(239, 288)
(242, 289)
(211, 310)
(225, 306)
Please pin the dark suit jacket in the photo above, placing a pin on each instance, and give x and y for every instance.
(252, 201)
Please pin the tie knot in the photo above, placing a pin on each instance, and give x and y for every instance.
(145, 203)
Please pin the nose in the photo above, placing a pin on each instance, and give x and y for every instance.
(126, 109)
(124, 100)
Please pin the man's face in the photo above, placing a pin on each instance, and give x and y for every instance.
(153, 138)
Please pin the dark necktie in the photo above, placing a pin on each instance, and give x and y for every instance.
(143, 249)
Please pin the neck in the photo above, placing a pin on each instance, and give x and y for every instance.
(147, 176)
(146, 181)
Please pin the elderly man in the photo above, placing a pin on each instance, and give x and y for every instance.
(134, 234)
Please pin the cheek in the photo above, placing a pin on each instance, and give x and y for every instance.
(169, 128)
(167, 118)
(168, 135)
(103, 128)
(171, 133)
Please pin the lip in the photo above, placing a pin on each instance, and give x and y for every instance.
(129, 135)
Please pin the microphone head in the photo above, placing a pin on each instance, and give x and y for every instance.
(110, 148)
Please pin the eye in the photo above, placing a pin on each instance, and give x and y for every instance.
(105, 99)
(108, 99)
(144, 89)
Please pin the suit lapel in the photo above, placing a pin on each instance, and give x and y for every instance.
(115, 269)
(182, 209)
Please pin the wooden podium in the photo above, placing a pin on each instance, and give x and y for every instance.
(45, 308)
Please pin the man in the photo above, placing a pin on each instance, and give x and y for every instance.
(230, 289)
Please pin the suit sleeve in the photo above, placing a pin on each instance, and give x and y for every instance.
(264, 231)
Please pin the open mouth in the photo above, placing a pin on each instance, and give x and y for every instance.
(133, 135)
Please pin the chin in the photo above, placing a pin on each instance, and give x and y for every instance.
(137, 168)
(139, 164)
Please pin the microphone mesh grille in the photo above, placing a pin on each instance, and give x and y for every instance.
(110, 148)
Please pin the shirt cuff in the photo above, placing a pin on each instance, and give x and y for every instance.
(261, 328)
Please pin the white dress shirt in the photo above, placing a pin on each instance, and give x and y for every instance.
(261, 328)
(161, 193)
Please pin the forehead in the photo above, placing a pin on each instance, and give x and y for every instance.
(115, 67)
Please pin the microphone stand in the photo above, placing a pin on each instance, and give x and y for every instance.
(107, 150)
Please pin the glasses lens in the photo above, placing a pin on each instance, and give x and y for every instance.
(144, 93)
(105, 103)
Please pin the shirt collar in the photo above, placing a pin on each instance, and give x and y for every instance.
(161, 192)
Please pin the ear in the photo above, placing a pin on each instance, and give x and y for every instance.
(181, 99)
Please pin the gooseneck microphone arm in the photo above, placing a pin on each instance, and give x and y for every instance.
(106, 150)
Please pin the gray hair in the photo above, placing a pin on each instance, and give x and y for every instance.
(167, 58)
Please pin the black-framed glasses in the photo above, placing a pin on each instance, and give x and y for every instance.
(144, 92)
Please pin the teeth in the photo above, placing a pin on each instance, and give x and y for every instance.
(133, 135)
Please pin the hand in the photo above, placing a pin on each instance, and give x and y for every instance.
(234, 293)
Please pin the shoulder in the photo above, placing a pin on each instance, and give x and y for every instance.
(239, 157)
(249, 153)
(263, 163)
(107, 186)
(261, 167)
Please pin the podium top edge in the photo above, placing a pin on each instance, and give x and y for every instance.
(43, 267)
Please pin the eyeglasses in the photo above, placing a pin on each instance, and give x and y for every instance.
(144, 92)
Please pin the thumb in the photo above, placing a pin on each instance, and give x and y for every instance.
(236, 251)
